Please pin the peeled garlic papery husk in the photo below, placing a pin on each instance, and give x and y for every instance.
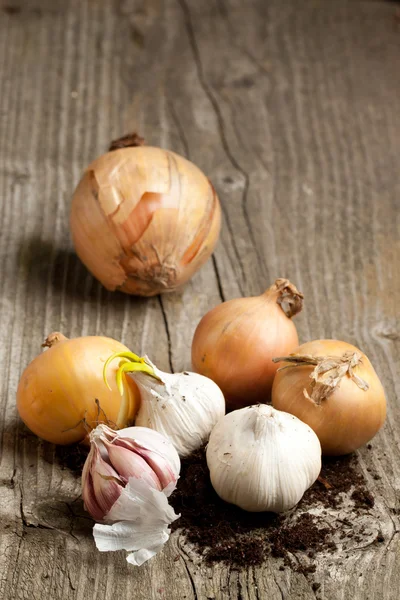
(126, 480)
(144, 219)
(262, 459)
(184, 407)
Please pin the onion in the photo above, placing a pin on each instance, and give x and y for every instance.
(332, 386)
(61, 395)
(235, 342)
(143, 219)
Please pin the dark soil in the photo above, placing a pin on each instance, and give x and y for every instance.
(338, 476)
(72, 457)
(223, 532)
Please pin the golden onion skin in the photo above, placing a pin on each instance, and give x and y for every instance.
(61, 395)
(349, 417)
(235, 342)
(144, 220)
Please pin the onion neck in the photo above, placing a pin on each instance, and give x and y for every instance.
(130, 140)
(53, 339)
(328, 373)
(284, 293)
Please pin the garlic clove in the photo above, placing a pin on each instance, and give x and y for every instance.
(164, 473)
(129, 464)
(158, 464)
(89, 499)
(102, 485)
(165, 460)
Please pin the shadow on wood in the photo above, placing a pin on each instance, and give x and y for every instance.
(61, 268)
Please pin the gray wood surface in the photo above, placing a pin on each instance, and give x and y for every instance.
(292, 109)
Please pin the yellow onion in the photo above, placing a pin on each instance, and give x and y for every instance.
(144, 219)
(332, 386)
(61, 395)
(235, 342)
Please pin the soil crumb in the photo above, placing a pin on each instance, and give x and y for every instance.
(223, 532)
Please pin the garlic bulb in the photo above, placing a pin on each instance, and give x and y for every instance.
(262, 459)
(126, 479)
(184, 407)
(144, 219)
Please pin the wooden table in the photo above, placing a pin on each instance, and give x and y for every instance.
(292, 109)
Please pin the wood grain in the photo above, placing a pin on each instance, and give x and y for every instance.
(292, 111)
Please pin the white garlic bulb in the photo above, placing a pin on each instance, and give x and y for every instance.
(262, 459)
(184, 407)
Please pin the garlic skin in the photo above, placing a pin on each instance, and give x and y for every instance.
(126, 480)
(142, 517)
(184, 407)
(262, 459)
(144, 220)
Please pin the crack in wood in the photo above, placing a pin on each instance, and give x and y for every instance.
(164, 315)
(214, 104)
(70, 581)
(225, 16)
(218, 277)
(240, 588)
(192, 583)
(279, 587)
(221, 126)
(185, 559)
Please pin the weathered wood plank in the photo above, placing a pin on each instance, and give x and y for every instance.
(292, 112)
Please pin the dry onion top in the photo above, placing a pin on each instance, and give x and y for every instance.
(328, 372)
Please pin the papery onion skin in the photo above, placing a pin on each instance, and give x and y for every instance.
(61, 395)
(144, 220)
(235, 342)
(349, 417)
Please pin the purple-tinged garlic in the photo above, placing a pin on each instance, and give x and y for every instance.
(126, 480)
